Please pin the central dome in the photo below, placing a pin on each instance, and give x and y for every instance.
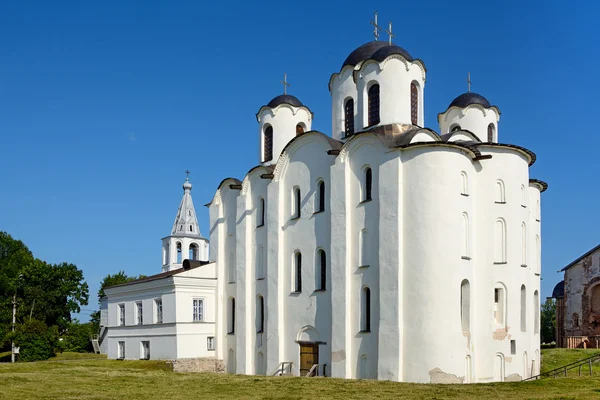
(376, 50)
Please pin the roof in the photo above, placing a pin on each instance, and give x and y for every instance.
(375, 50)
(285, 99)
(542, 184)
(580, 258)
(469, 98)
(559, 290)
(186, 223)
(163, 275)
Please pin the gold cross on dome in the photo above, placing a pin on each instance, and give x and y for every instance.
(376, 28)
(285, 84)
(389, 32)
(469, 82)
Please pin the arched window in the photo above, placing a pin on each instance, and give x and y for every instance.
(499, 192)
(466, 237)
(260, 220)
(499, 241)
(364, 248)
(523, 309)
(536, 308)
(349, 117)
(490, 133)
(499, 304)
(575, 320)
(260, 314)
(374, 105)
(296, 203)
(268, 144)
(320, 203)
(366, 310)
(368, 184)
(179, 256)
(193, 252)
(299, 130)
(465, 184)
(260, 263)
(231, 320)
(465, 305)
(298, 272)
(455, 128)
(523, 244)
(414, 103)
(321, 272)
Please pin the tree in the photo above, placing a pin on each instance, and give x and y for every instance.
(36, 341)
(548, 329)
(77, 337)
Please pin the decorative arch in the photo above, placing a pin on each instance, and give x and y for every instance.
(523, 309)
(523, 196)
(465, 305)
(466, 236)
(308, 333)
(499, 367)
(464, 183)
(499, 192)
(500, 241)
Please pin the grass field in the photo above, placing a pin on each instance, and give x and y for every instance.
(72, 377)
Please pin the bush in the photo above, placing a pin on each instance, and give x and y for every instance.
(77, 337)
(36, 341)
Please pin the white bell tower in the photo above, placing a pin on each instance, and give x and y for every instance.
(185, 241)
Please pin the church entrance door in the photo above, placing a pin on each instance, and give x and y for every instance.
(309, 355)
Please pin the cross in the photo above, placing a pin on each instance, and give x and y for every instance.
(285, 84)
(469, 81)
(376, 28)
(389, 32)
(187, 175)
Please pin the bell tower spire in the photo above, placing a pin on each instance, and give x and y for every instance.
(185, 241)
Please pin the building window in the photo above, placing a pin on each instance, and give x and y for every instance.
(139, 313)
(373, 105)
(499, 193)
(366, 310)
(179, 253)
(121, 351)
(523, 309)
(500, 242)
(260, 221)
(465, 305)
(513, 347)
(414, 103)
(363, 247)
(210, 343)
(349, 117)
(320, 203)
(575, 320)
(198, 309)
(193, 252)
(299, 130)
(536, 311)
(499, 305)
(296, 203)
(368, 184)
(144, 350)
(231, 321)
(268, 144)
(465, 184)
(490, 133)
(321, 270)
(122, 314)
(159, 311)
(298, 272)
(260, 263)
(260, 314)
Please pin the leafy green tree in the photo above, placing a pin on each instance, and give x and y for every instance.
(36, 341)
(77, 337)
(548, 322)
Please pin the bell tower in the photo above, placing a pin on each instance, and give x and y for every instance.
(185, 241)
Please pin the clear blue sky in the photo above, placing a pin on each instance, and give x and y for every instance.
(104, 105)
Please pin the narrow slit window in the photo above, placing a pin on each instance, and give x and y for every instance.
(349, 117)
(373, 94)
(366, 310)
(268, 144)
(414, 103)
(298, 273)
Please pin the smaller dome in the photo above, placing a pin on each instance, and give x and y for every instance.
(187, 185)
(559, 290)
(285, 99)
(468, 98)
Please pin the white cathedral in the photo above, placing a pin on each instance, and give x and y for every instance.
(384, 251)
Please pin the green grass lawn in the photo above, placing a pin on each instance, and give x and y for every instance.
(108, 379)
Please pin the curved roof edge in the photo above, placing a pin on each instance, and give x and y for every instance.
(530, 153)
(543, 185)
(474, 105)
(235, 182)
(447, 136)
(266, 107)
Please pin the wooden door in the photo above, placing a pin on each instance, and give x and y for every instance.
(309, 355)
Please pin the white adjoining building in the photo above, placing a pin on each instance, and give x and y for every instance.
(384, 251)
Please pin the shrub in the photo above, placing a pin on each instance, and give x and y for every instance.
(77, 337)
(36, 341)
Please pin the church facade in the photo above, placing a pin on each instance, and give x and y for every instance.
(384, 251)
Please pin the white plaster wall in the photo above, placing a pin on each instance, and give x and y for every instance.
(283, 119)
(343, 88)
(472, 118)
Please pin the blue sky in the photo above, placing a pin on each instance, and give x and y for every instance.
(104, 105)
